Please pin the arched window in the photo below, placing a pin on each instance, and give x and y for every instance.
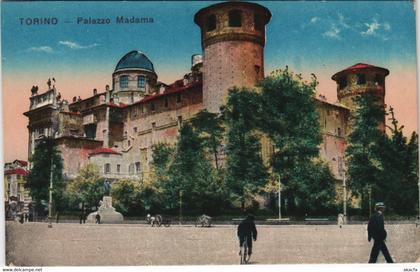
(141, 82)
(235, 18)
(123, 82)
(211, 22)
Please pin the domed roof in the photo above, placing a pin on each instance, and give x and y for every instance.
(136, 60)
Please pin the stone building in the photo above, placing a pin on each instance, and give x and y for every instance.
(116, 128)
(16, 198)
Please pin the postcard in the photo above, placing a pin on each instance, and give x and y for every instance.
(155, 133)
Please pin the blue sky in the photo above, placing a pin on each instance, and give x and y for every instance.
(304, 35)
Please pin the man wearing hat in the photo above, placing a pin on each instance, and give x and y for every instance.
(376, 230)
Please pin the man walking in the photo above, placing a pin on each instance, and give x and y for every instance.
(248, 231)
(376, 230)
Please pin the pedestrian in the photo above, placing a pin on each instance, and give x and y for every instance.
(248, 231)
(376, 230)
(340, 220)
(82, 217)
(98, 218)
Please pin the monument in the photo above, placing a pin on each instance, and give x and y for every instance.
(107, 213)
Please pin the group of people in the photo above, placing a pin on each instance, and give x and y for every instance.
(376, 231)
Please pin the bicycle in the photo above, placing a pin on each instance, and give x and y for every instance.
(244, 252)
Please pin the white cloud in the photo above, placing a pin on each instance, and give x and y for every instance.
(333, 33)
(43, 49)
(75, 45)
(314, 20)
(371, 28)
(342, 21)
(387, 26)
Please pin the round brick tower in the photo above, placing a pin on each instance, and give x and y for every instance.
(233, 39)
(358, 79)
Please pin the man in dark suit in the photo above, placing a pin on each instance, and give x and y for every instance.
(248, 231)
(376, 230)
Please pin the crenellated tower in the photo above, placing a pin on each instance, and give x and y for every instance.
(361, 78)
(233, 39)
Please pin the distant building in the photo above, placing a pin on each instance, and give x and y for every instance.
(116, 127)
(15, 196)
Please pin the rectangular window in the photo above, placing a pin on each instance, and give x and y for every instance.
(166, 102)
(107, 169)
(153, 125)
(361, 79)
(342, 83)
(141, 82)
(118, 168)
(258, 22)
(178, 98)
(135, 129)
(123, 82)
(179, 121)
(211, 22)
(152, 106)
(131, 169)
(235, 18)
(137, 167)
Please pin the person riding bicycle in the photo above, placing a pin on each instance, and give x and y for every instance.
(248, 231)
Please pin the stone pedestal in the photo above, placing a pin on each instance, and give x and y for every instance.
(106, 212)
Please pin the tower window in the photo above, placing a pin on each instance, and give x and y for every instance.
(107, 169)
(141, 82)
(166, 102)
(137, 167)
(178, 98)
(342, 83)
(123, 82)
(361, 79)
(211, 22)
(379, 80)
(235, 18)
(118, 168)
(258, 22)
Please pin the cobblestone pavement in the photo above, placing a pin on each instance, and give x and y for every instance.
(33, 244)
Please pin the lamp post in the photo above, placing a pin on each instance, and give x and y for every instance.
(418, 219)
(279, 198)
(180, 207)
(50, 194)
(342, 170)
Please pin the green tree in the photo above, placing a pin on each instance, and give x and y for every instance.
(363, 153)
(399, 177)
(245, 173)
(88, 187)
(190, 172)
(126, 194)
(290, 120)
(152, 193)
(45, 158)
(210, 128)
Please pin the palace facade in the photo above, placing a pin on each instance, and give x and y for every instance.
(116, 127)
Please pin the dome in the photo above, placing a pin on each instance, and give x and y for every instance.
(135, 60)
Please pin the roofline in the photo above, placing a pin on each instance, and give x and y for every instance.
(132, 51)
(199, 13)
(133, 69)
(50, 106)
(153, 97)
(80, 101)
(352, 70)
